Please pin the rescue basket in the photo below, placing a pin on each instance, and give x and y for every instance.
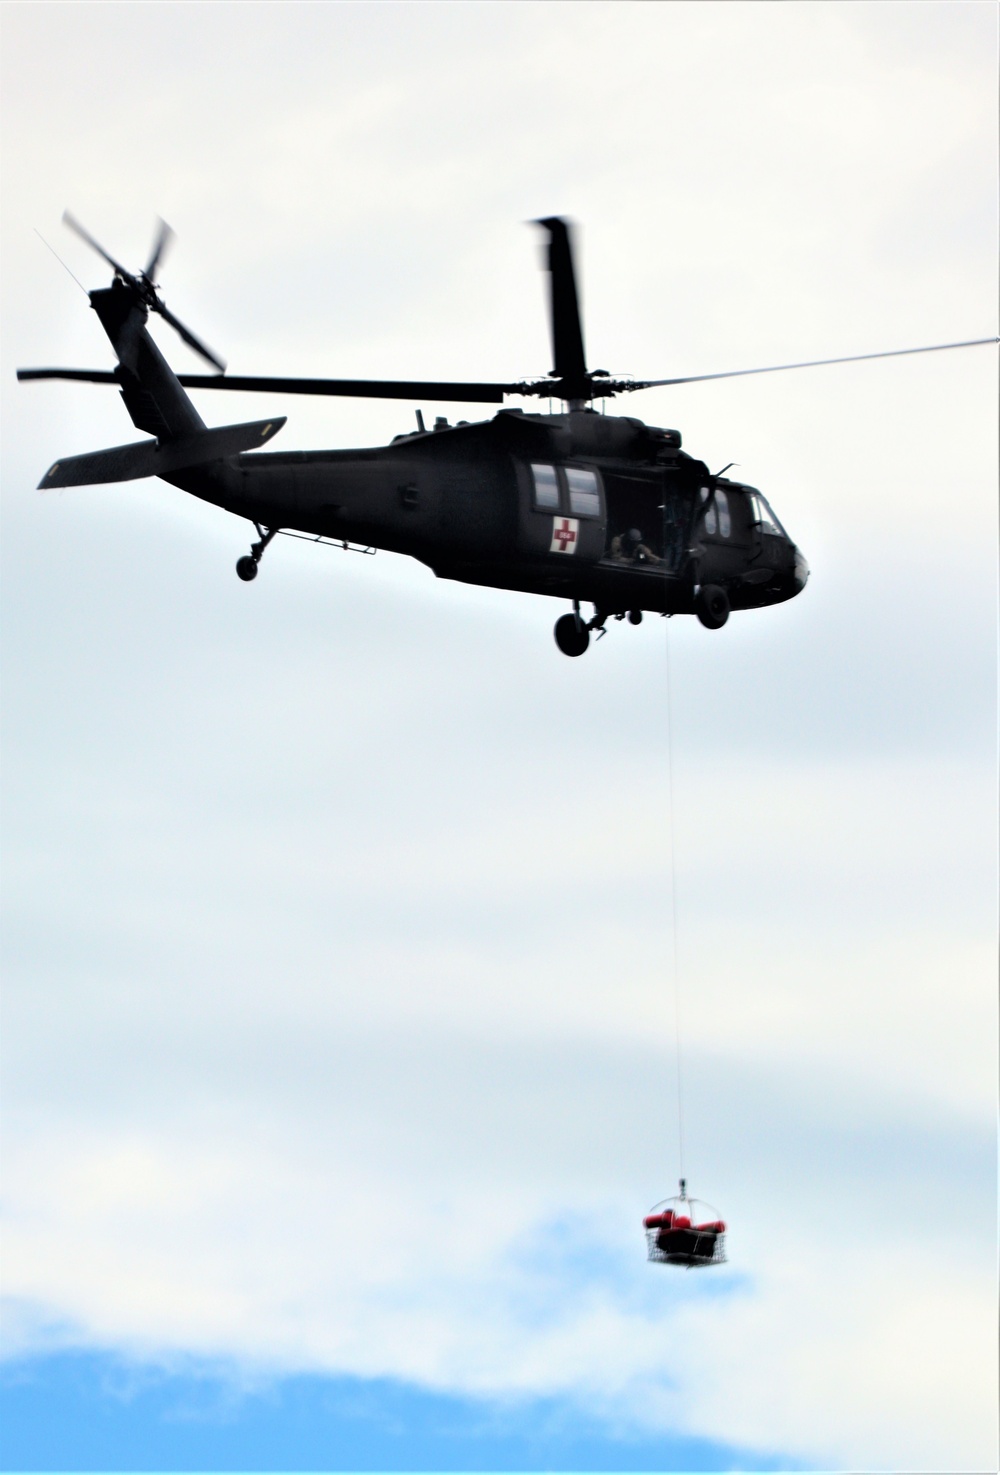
(684, 1231)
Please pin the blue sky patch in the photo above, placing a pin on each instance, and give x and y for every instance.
(87, 1411)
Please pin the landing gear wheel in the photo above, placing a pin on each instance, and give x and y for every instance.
(635, 616)
(711, 606)
(246, 566)
(572, 635)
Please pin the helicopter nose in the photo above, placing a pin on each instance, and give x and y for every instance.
(801, 571)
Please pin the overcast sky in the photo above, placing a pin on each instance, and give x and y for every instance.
(338, 1024)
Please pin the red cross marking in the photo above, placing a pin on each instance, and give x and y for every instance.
(563, 535)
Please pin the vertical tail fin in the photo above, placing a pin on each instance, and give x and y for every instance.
(152, 393)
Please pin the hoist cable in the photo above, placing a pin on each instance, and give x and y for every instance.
(673, 907)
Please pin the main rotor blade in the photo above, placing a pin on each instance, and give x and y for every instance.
(853, 358)
(189, 337)
(85, 235)
(163, 240)
(351, 388)
(569, 360)
(358, 388)
(86, 376)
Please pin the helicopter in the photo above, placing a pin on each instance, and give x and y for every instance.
(581, 506)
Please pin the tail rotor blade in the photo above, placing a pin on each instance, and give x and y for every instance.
(189, 338)
(163, 239)
(567, 334)
(85, 235)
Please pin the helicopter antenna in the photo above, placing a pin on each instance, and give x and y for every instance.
(62, 263)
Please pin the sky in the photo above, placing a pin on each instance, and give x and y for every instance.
(338, 1009)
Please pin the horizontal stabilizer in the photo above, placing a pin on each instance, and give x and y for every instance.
(153, 458)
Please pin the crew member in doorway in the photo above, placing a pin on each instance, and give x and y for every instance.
(631, 547)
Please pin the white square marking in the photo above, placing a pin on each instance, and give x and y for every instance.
(565, 532)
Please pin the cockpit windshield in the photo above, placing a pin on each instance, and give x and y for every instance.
(764, 517)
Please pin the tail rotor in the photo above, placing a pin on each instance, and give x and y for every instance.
(143, 286)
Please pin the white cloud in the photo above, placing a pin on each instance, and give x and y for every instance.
(289, 1250)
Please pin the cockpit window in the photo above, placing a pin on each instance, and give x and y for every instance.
(764, 517)
(584, 494)
(711, 516)
(725, 524)
(546, 488)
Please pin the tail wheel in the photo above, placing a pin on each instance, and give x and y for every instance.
(246, 567)
(711, 605)
(572, 635)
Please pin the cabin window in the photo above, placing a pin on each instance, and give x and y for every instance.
(717, 518)
(546, 488)
(584, 493)
(711, 516)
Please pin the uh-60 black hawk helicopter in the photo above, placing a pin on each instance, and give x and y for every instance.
(582, 506)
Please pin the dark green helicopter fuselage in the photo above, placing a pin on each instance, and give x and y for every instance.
(465, 500)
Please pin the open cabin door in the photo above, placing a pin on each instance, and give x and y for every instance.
(654, 505)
